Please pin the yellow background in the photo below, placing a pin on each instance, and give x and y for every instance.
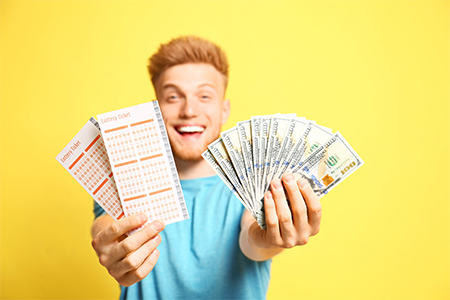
(377, 71)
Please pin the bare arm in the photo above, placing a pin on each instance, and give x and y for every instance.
(287, 226)
(248, 247)
(127, 259)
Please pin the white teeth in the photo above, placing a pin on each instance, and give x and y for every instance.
(190, 129)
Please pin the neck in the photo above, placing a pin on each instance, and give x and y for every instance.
(193, 169)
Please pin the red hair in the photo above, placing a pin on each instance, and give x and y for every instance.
(187, 49)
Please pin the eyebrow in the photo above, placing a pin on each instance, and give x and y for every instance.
(206, 84)
(172, 85)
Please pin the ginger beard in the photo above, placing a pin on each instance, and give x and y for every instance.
(193, 151)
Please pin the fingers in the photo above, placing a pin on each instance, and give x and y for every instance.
(273, 229)
(130, 259)
(134, 242)
(282, 208)
(135, 259)
(314, 210)
(116, 229)
(298, 206)
(105, 241)
(291, 226)
(142, 271)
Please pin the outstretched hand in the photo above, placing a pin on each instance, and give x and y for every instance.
(293, 214)
(128, 259)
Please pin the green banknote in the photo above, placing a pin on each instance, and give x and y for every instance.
(329, 165)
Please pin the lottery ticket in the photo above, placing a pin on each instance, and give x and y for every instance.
(85, 158)
(141, 160)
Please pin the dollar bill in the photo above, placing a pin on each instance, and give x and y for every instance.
(245, 139)
(247, 157)
(264, 131)
(207, 155)
(312, 138)
(220, 153)
(295, 146)
(231, 141)
(294, 132)
(329, 165)
(255, 125)
(278, 127)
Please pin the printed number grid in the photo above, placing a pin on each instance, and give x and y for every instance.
(108, 198)
(156, 173)
(161, 206)
(146, 138)
(130, 181)
(93, 170)
(141, 171)
(93, 167)
(129, 143)
(121, 146)
(146, 176)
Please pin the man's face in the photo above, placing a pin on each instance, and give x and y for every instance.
(191, 97)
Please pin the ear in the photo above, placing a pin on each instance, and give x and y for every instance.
(225, 110)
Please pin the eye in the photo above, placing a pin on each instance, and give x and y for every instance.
(205, 97)
(172, 97)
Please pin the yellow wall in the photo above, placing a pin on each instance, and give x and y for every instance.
(377, 71)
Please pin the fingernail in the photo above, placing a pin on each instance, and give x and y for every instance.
(277, 184)
(289, 178)
(142, 217)
(155, 253)
(303, 184)
(157, 226)
(268, 195)
(157, 239)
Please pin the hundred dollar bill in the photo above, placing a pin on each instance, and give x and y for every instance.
(207, 155)
(312, 138)
(231, 141)
(260, 134)
(264, 130)
(295, 146)
(278, 127)
(245, 138)
(329, 165)
(294, 132)
(255, 125)
(220, 153)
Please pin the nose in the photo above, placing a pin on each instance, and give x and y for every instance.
(190, 108)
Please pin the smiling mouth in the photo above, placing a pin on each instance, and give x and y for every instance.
(189, 130)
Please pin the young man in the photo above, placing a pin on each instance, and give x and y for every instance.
(220, 252)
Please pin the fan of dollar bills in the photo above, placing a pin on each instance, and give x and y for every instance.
(250, 155)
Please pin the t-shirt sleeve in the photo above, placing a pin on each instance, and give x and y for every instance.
(98, 210)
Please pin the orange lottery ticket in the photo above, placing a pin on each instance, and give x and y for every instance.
(142, 163)
(85, 158)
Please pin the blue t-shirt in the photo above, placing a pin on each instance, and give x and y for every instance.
(200, 258)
